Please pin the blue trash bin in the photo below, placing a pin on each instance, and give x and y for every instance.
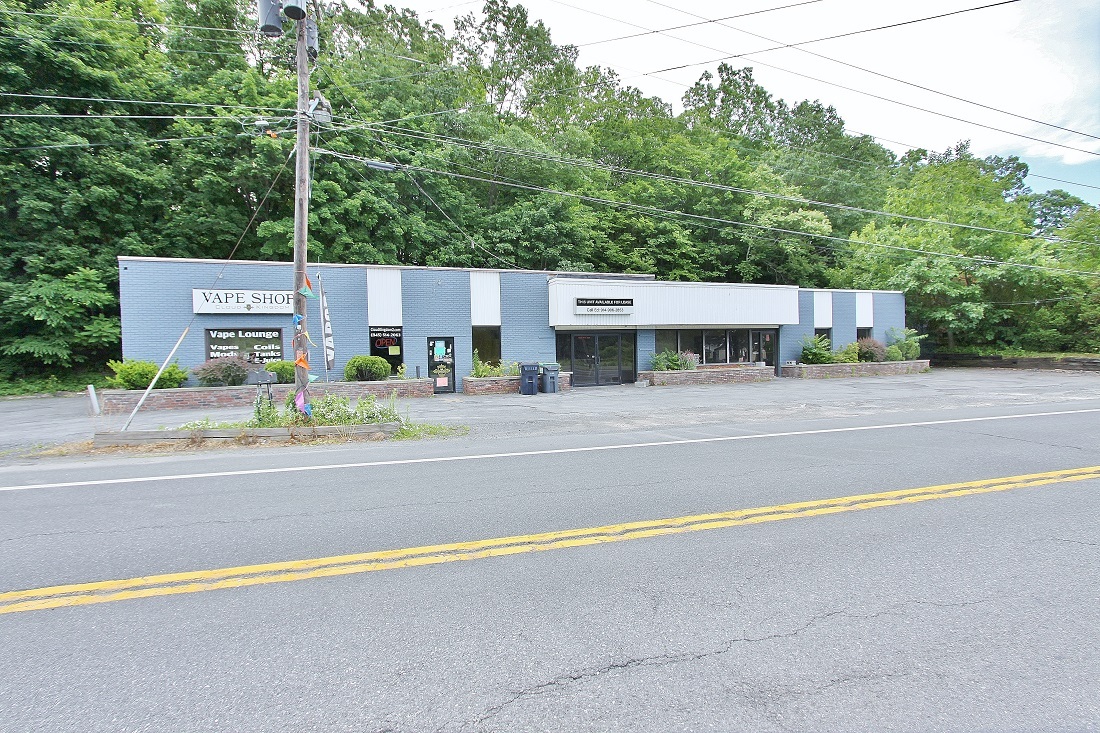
(529, 378)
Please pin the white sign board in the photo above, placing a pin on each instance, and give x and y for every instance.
(603, 306)
(242, 301)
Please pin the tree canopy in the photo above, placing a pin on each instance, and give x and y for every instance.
(165, 128)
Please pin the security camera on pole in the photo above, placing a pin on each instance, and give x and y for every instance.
(271, 25)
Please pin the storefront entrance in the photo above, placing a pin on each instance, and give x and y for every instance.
(597, 358)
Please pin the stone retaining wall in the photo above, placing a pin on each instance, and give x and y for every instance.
(1072, 363)
(123, 400)
(374, 431)
(862, 369)
(712, 375)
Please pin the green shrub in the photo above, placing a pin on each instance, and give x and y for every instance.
(327, 410)
(848, 355)
(284, 371)
(893, 353)
(366, 369)
(907, 340)
(816, 350)
(669, 360)
(481, 368)
(229, 371)
(870, 349)
(137, 374)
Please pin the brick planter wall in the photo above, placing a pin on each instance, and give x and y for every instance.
(124, 400)
(711, 375)
(506, 385)
(1073, 363)
(862, 369)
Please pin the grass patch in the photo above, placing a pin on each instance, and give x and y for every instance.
(51, 384)
(419, 431)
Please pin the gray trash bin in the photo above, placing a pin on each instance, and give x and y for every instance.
(549, 377)
(529, 378)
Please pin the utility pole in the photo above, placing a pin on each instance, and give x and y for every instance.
(301, 225)
(271, 25)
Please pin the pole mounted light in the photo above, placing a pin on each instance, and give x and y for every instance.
(271, 25)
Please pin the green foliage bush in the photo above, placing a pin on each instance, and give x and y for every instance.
(136, 374)
(816, 350)
(327, 410)
(907, 340)
(229, 371)
(284, 371)
(481, 368)
(870, 349)
(848, 355)
(893, 353)
(366, 369)
(669, 360)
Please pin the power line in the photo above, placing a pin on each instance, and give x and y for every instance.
(989, 261)
(716, 186)
(838, 85)
(143, 101)
(89, 44)
(122, 143)
(127, 21)
(877, 73)
(689, 25)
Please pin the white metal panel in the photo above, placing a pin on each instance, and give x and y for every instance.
(865, 310)
(384, 297)
(823, 309)
(484, 298)
(674, 303)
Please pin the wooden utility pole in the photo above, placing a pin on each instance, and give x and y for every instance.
(301, 217)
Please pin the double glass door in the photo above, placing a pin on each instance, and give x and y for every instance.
(598, 358)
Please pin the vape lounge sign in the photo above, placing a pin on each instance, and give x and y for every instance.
(256, 346)
(603, 306)
(242, 301)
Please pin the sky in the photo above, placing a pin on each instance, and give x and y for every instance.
(1037, 59)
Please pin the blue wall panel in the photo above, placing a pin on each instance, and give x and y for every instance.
(525, 332)
(889, 313)
(844, 319)
(156, 306)
(790, 337)
(436, 303)
(647, 347)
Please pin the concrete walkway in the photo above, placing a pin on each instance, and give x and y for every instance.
(29, 425)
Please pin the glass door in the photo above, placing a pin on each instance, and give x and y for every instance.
(608, 369)
(762, 346)
(584, 360)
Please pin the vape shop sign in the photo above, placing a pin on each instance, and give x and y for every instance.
(242, 301)
(254, 345)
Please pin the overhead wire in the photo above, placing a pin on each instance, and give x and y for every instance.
(988, 261)
(716, 186)
(205, 105)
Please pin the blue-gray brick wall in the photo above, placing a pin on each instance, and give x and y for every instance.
(525, 332)
(436, 303)
(647, 347)
(844, 319)
(889, 313)
(155, 298)
(790, 337)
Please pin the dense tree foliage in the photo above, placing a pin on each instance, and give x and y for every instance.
(165, 128)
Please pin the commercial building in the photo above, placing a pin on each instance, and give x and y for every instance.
(603, 328)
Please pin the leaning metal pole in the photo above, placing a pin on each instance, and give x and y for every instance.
(301, 217)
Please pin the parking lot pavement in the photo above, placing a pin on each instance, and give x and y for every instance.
(28, 425)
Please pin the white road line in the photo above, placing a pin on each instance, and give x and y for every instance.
(518, 454)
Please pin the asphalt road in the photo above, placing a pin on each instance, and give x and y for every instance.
(974, 608)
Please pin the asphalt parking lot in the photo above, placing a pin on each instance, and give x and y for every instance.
(32, 424)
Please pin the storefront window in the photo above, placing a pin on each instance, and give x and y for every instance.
(825, 332)
(692, 340)
(487, 343)
(627, 358)
(714, 347)
(863, 333)
(739, 346)
(666, 341)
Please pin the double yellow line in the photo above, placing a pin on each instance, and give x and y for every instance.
(107, 591)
